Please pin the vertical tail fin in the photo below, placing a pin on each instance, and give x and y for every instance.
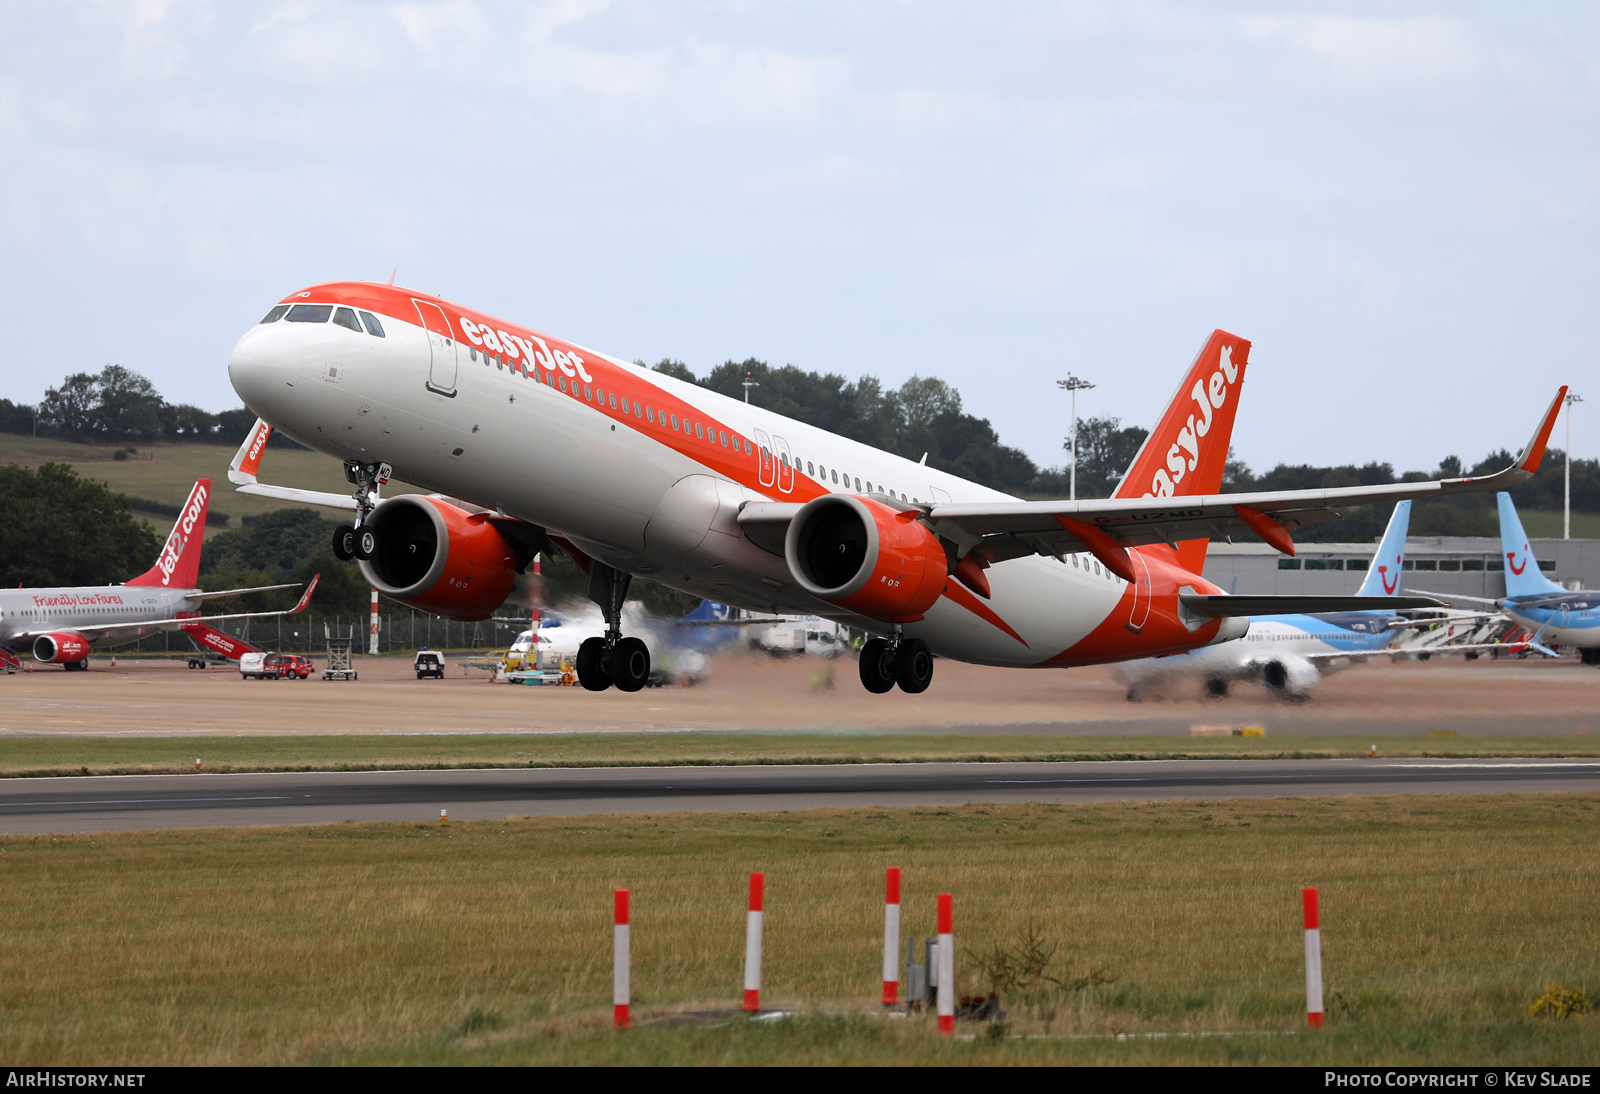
(1187, 452)
(178, 566)
(1383, 578)
(1523, 575)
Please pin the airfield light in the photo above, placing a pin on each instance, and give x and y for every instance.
(1074, 385)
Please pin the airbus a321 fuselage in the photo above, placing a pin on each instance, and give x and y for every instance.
(533, 443)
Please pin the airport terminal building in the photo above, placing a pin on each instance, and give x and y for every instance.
(1466, 565)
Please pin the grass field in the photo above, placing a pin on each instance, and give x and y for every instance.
(165, 472)
(74, 755)
(1443, 920)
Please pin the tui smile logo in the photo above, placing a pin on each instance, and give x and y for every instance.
(1511, 560)
(1389, 587)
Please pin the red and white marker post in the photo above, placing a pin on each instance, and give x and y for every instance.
(947, 966)
(891, 938)
(1313, 961)
(752, 945)
(620, 960)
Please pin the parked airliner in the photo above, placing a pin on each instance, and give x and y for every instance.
(533, 443)
(1555, 615)
(61, 625)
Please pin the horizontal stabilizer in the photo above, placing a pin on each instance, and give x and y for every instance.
(1231, 606)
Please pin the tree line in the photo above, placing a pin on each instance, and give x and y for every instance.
(117, 406)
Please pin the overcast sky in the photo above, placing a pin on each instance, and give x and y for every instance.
(1396, 202)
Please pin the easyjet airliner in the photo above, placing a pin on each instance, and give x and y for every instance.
(61, 626)
(533, 443)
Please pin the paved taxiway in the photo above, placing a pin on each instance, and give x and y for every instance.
(180, 801)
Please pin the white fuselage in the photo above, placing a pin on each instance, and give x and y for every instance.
(127, 609)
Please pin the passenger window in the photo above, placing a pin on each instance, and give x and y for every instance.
(869, 486)
(276, 313)
(346, 318)
(613, 400)
(562, 380)
(724, 438)
(625, 406)
(310, 313)
(835, 476)
(858, 484)
(650, 414)
(588, 393)
(638, 411)
(674, 421)
(699, 431)
(374, 327)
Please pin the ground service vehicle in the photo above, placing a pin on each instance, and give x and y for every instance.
(429, 663)
(535, 444)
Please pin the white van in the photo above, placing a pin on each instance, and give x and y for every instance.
(252, 666)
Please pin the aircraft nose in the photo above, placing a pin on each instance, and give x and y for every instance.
(263, 368)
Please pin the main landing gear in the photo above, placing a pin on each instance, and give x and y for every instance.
(357, 541)
(613, 659)
(886, 662)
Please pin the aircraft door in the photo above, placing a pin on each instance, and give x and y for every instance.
(442, 347)
(764, 455)
(1141, 593)
(785, 465)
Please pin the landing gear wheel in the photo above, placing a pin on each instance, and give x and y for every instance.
(344, 543)
(877, 666)
(366, 542)
(913, 666)
(630, 664)
(591, 665)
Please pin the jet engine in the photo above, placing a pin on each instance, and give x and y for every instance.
(1290, 677)
(866, 557)
(435, 556)
(60, 648)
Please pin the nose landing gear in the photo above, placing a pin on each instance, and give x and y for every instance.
(356, 541)
(613, 659)
(886, 662)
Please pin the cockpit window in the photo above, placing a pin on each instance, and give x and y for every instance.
(346, 318)
(374, 327)
(276, 313)
(310, 313)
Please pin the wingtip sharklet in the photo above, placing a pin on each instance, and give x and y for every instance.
(1533, 454)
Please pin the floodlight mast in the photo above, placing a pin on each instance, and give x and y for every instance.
(1566, 503)
(747, 384)
(1074, 385)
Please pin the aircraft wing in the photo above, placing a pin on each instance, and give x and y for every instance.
(1001, 530)
(246, 465)
(241, 592)
(305, 599)
(1221, 606)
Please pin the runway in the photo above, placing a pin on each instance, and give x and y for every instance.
(199, 800)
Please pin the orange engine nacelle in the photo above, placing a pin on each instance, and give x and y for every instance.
(866, 557)
(60, 648)
(437, 557)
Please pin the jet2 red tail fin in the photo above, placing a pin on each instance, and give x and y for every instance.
(1187, 451)
(178, 566)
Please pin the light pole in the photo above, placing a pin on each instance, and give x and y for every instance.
(1074, 385)
(1566, 504)
(747, 384)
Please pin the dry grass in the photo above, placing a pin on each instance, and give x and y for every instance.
(46, 756)
(1443, 919)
